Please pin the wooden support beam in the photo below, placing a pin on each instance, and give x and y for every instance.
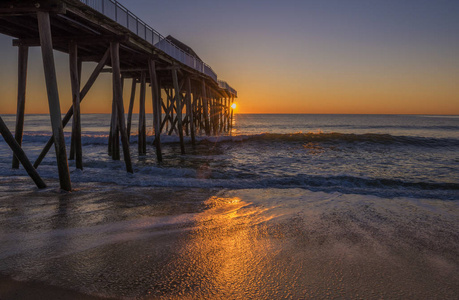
(178, 101)
(72, 139)
(185, 122)
(171, 106)
(228, 114)
(53, 99)
(190, 111)
(206, 108)
(23, 54)
(131, 107)
(232, 110)
(118, 95)
(222, 115)
(169, 112)
(114, 135)
(142, 143)
(69, 113)
(21, 156)
(166, 110)
(173, 124)
(212, 111)
(75, 82)
(156, 99)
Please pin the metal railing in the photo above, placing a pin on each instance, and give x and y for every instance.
(117, 12)
(224, 85)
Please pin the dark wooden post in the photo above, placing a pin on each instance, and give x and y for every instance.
(225, 114)
(23, 54)
(196, 115)
(190, 112)
(142, 144)
(44, 27)
(229, 113)
(114, 136)
(75, 82)
(21, 156)
(206, 108)
(131, 107)
(72, 140)
(199, 109)
(231, 124)
(178, 103)
(172, 105)
(167, 111)
(220, 112)
(212, 110)
(156, 99)
(118, 95)
(186, 121)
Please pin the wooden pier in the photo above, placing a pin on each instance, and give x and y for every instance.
(186, 95)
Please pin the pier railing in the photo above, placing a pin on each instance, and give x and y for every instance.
(117, 12)
(224, 85)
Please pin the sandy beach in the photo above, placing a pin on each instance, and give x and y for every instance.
(151, 243)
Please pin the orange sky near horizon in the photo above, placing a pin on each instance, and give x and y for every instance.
(312, 94)
(386, 57)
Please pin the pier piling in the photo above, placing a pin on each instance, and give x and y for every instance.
(157, 104)
(131, 107)
(75, 83)
(118, 98)
(23, 54)
(53, 99)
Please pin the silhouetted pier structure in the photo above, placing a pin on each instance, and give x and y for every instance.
(186, 95)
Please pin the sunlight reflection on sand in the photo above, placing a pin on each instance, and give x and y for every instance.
(236, 244)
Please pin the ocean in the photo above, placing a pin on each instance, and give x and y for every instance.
(383, 155)
(283, 207)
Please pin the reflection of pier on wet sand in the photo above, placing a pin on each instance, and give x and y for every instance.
(187, 96)
(244, 244)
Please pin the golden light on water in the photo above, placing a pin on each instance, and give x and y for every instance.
(233, 106)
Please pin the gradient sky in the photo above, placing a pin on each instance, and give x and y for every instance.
(294, 56)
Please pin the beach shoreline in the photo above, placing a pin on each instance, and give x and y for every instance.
(126, 242)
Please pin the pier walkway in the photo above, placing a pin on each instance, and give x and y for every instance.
(187, 95)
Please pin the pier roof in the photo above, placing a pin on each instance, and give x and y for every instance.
(182, 46)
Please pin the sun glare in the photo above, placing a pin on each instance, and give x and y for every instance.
(233, 106)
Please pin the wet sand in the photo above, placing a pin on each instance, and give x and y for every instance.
(22, 290)
(149, 243)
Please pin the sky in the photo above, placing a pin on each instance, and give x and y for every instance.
(292, 56)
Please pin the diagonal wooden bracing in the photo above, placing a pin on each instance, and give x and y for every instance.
(69, 113)
(20, 155)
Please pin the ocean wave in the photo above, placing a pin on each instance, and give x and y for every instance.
(320, 137)
(336, 137)
(156, 176)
